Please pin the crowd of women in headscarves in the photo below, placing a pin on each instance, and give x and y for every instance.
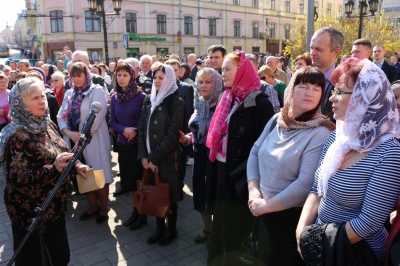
(306, 190)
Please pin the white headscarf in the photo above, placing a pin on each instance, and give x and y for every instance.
(371, 119)
(168, 86)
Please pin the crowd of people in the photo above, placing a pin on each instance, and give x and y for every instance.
(303, 158)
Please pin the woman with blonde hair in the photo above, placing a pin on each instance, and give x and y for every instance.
(266, 74)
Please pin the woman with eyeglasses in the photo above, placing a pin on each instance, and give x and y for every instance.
(356, 184)
(57, 85)
(267, 74)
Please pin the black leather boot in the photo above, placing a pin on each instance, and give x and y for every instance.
(171, 231)
(159, 233)
(132, 219)
(139, 222)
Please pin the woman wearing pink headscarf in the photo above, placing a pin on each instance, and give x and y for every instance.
(238, 121)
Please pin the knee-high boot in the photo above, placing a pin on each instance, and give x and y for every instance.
(158, 233)
(171, 231)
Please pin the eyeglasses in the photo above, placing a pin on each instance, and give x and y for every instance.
(263, 78)
(336, 92)
(54, 80)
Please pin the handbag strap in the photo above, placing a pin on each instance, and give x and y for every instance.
(145, 178)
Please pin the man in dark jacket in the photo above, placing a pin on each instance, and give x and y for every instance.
(379, 60)
(193, 67)
(185, 92)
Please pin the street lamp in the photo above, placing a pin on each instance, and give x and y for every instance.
(97, 7)
(363, 7)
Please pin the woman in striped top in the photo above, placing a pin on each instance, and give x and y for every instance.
(357, 181)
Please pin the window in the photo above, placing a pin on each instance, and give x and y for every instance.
(161, 24)
(255, 3)
(301, 8)
(188, 50)
(236, 2)
(272, 31)
(212, 27)
(92, 23)
(287, 5)
(255, 49)
(287, 32)
(255, 29)
(188, 25)
(272, 4)
(131, 25)
(57, 21)
(329, 9)
(236, 28)
(237, 48)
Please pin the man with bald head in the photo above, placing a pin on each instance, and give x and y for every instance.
(379, 60)
(272, 62)
(191, 59)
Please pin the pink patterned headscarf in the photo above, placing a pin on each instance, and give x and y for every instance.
(246, 81)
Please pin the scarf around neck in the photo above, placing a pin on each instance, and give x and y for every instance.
(246, 80)
(130, 91)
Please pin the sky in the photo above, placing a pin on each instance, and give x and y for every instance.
(9, 11)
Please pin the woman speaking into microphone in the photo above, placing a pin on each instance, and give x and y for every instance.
(71, 117)
(32, 156)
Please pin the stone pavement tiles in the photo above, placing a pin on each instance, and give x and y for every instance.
(112, 243)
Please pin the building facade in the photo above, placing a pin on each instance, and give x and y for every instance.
(170, 26)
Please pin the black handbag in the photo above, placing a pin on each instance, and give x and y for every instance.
(249, 246)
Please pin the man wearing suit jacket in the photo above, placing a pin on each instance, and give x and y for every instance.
(145, 65)
(379, 60)
(186, 92)
(193, 67)
(326, 45)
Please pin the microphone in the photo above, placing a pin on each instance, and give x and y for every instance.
(95, 108)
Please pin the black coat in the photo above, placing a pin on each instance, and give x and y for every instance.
(193, 73)
(390, 71)
(52, 104)
(163, 130)
(186, 93)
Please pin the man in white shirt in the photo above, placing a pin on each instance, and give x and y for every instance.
(145, 65)
(379, 60)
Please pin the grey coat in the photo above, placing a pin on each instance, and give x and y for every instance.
(163, 129)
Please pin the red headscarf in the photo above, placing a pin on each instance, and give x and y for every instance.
(246, 81)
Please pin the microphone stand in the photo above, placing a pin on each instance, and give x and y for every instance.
(40, 211)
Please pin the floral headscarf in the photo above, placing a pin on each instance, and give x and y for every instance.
(371, 119)
(246, 80)
(21, 117)
(168, 86)
(202, 107)
(131, 90)
(73, 110)
(287, 122)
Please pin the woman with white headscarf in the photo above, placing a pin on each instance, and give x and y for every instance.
(158, 143)
(357, 181)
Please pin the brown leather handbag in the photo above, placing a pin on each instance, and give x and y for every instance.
(152, 200)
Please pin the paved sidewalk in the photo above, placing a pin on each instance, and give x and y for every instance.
(113, 244)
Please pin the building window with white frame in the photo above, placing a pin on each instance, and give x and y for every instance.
(236, 28)
(161, 24)
(272, 27)
(131, 23)
(301, 6)
(236, 2)
(188, 25)
(287, 5)
(92, 23)
(287, 32)
(272, 4)
(57, 21)
(212, 27)
(329, 9)
(255, 30)
(255, 3)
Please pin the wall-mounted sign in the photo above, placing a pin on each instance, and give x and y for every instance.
(135, 38)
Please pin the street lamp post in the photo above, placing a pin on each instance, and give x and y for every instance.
(97, 7)
(363, 6)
